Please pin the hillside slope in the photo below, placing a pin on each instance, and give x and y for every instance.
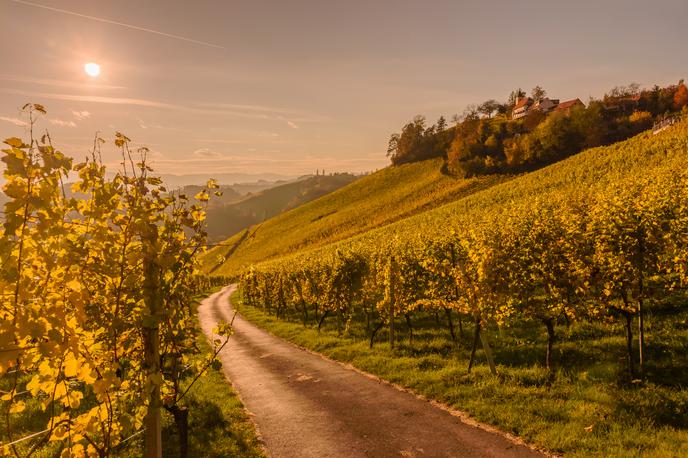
(226, 220)
(373, 201)
(593, 167)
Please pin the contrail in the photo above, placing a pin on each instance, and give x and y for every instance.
(121, 24)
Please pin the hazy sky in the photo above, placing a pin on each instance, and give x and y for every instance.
(291, 86)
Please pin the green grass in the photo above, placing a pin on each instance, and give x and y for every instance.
(373, 201)
(219, 426)
(587, 407)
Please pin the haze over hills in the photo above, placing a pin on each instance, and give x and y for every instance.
(241, 205)
(175, 181)
(230, 193)
(225, 220)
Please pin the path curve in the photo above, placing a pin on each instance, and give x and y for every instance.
(307, 406)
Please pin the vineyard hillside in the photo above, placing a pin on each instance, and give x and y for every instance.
(590, 168)
(388, 195)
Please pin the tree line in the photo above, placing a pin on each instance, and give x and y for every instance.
(484, 139)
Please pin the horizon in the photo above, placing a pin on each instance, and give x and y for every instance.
(263, 89)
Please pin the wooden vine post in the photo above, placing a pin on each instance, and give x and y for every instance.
(641, 311)
(392, 299)
(151, 345)
(488, 352)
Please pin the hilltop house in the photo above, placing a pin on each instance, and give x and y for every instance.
(569, 105)
(526, 105)
(521, 108)
(545, 105)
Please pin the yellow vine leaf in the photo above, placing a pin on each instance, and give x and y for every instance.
(71, 366)
(17, 407)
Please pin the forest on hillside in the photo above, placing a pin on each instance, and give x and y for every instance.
(525, 133)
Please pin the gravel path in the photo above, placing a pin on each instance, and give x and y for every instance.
(307, 406)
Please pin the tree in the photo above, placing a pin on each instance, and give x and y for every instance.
(407, 146)
(503, 108)
(681, 96)
(417, 142)
(623, 91)
(393, 146)
(466, 150)
(640, 120)
(589, 125)
(515, 96)
(488, 107)
(470, 113)
(442, 138)
(538, 94)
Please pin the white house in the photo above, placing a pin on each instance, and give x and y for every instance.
(521, 108)
(545, 105)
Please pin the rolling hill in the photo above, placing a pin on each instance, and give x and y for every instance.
(373, 201)
(226, 220)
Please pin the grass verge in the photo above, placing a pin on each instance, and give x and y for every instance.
(219, 426)
(587, 407)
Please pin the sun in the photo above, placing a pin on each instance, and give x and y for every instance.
(92, 69)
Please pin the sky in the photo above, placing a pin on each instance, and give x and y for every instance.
(288, 87)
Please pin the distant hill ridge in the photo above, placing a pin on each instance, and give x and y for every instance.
(225, 220)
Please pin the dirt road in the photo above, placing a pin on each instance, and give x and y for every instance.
(307, 406)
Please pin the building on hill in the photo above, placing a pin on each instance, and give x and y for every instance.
(522, 107)
(545, 105)
(569, 105)
(527, 105)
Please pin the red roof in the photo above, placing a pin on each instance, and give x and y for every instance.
(569, 104)
(523, 102)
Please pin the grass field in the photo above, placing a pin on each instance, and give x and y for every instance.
(219, 426)
(588, 407)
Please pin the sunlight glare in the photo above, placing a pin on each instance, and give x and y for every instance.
(92, 69)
